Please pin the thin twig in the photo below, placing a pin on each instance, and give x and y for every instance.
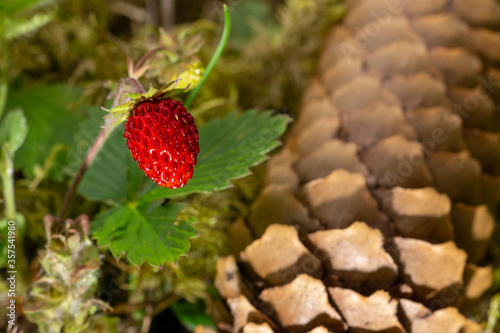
(89, 158)
(96, 146)
(148, 318)
(166, 303)
(136, 84)
(125, 308)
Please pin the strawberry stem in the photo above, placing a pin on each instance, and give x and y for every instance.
(89, 158)
(147, 55)
(96, 146)
(136, 84)
(215, 58)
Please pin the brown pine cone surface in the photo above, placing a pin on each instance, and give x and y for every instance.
(376, 212)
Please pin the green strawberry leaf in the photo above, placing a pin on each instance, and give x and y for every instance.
(228, 147)
(88, 130)
(13, 130)
(49, 120)
(153, 236)
(112, 173)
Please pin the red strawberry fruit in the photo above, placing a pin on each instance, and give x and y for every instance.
(163, 139)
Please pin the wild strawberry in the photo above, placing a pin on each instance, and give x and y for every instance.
(163, 139)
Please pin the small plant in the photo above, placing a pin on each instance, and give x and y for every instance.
(137, 227)
(144, 191)
(63, 299)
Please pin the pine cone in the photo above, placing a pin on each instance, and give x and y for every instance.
(380, 205)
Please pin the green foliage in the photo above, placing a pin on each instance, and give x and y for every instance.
(25, 26)
(493, 314)
(153, 236)
(177, 57)
(3, 242)
(188, 279)
(13, 131)
(23, 17)
(191, 314)
(228, 147)
(20, 228)
(247, 14)
(87, 132)
(50, 122)
(214, 60)
(80, 46)
(10, 8)
(120, 113)
(110, 174)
